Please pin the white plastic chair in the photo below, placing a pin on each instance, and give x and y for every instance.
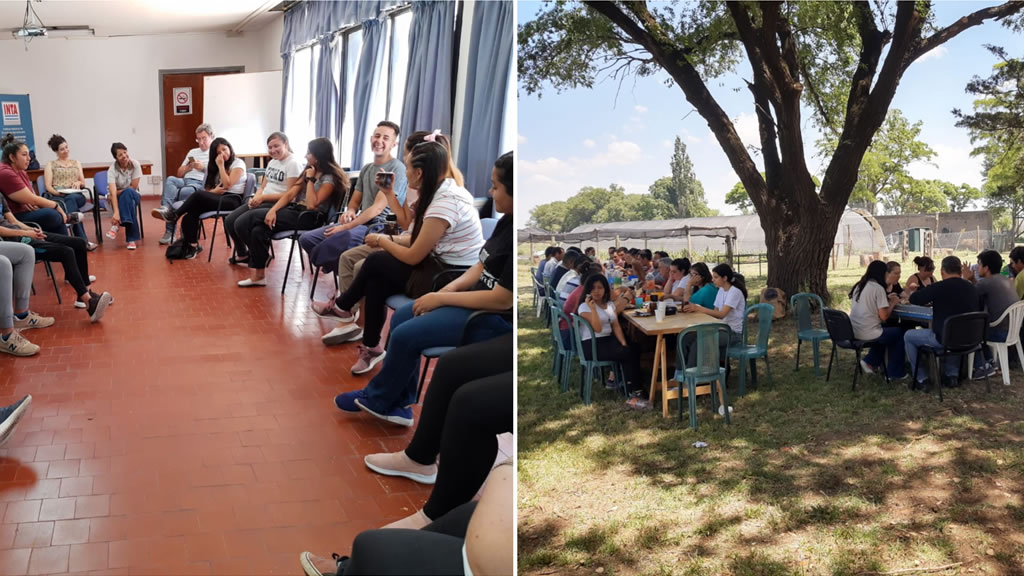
(1002, 349)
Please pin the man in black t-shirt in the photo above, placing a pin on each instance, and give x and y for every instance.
(952, 296)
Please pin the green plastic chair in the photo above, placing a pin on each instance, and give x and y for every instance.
(536, 291)
(805, 330)
(563, 355)
(549, 295)
(708, 367)
(591, 368)
(751, 352)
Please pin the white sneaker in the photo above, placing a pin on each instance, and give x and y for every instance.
(342, 334)
(866, 367)
(721, 410)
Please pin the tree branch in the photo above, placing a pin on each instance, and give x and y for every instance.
(751, 38)
(969, 21)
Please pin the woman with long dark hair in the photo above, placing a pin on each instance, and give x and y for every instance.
(446, 228)
(17, 189)
(870, 308)
(224, 186)
(701, 290)
(601, 321)
(321, 189)
(730, 306)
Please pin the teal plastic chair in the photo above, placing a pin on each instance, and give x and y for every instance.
(549, 296)
(745, 352)
(591, 368)
(708, 367)
(805, 330)
(563, 355)
(533, 281)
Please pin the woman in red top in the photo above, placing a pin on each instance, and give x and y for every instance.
(17, 189)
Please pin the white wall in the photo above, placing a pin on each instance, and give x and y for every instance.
(95, 91)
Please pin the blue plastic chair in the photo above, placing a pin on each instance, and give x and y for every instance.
(436, 352)
(100, 193)
(563, 356)
(802, 308)
(591, 368)
(88, 207)
(708, 367)
(745, 352)
(487, 225)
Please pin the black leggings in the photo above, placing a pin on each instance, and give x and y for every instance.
(469, 401)
(199, 202)
(609, 349)
(258, 237)
(388, 276)
(436, 549)
(70, 252)
(234, 230)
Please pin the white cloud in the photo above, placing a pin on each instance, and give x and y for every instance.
(748, 130)
(952, 164)
(522, 139)
(640, 109)
(691, 138)
(588, 143)
(667, 144)
(934, 54)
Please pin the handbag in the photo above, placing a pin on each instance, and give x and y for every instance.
(421, 280)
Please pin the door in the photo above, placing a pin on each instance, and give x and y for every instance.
(181, 94)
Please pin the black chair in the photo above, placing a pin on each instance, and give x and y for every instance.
(962, 335)
(840, 330)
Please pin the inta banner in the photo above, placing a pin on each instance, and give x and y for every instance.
(17, 118)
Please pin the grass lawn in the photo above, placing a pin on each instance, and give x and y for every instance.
(810, 477)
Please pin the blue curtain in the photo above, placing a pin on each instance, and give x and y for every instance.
(490, 63)
(286, 72)
(326, 99)
(310, 20)
(429, 81)
(370, 61)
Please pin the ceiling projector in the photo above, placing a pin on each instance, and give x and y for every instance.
(30, 32)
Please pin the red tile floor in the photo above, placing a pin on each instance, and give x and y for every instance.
(192, 431)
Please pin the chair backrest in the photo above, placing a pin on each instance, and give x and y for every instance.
(839, 327)
(964, 331)
(99, 183)
(765, 314)
(1016, 314)
(802, 307)
(250, 187)
(556, 316)
(577, 337)
(710, 336)
(488, 224)
(41, 185)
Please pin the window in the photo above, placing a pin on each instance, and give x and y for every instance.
(399, 64)
(353, 47)
(299, 119)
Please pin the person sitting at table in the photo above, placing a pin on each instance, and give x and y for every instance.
(730, 306)
(995, 295)
(701, 290)
(892, 279)
(17, 189)
(870, 307)
(123, 178)
(190, 175)
(953, 295)
(642, 264)
(570, 283)
(572, 300)
(679, 280)
(1017, 264)
(925, 275)
(557, 253)
(223, 189)
(62, 177)
(567, 263)
(663, 273)
(549, 254)
(601, 320)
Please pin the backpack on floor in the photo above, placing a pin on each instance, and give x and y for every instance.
(177, 250)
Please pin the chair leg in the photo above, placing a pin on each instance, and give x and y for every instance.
(724, 397)
(693, 402)
(142, 231)
(1020, 356)
(96, 221)
(830, 358)
(588, 384)
(743, 377)
(288, 267)
(53, 278)
(817, 370)
(312, 289)
(213, 239)
(798, 343)
(856, 368)
(1003, 353)
(423, 380)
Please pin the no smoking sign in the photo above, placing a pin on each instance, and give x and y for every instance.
(182, 101)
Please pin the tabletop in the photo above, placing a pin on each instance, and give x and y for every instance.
(913, 312)
(670, 325)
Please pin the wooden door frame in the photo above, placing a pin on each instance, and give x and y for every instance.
(160, 89)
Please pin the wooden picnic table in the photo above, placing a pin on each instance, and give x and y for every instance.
(670, 325)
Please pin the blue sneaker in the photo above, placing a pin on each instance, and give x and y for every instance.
(10, 416)
(399, 415)
(347, 402)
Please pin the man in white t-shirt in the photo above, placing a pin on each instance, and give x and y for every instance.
(190, 175)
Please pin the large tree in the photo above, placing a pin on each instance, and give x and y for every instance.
(827, 54)
(682, 190)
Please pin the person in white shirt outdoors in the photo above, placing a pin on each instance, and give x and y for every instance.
(190, 175)
(123, 189)
(553, 262)
(679, 281)
(63, 178)
(730, 307)
(870, 307)
(601, 321)
(321, 190)
(446, 233)
(573, 275)
(995, 294)
(282, 173)
(17, 264)
(367, 208)
(223, 189)
(662, 272)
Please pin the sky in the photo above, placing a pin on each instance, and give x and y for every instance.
(604, 135)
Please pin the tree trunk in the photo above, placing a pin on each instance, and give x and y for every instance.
(799, 247)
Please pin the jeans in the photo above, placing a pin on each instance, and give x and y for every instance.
(914, 339)
(128, 201)
(17, 263)
(395, 385)
(177, 189)
(324, 251)
(891, 341)
(49, 219)
(72, 203)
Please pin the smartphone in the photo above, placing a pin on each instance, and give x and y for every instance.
(384, 179)
(191, 160)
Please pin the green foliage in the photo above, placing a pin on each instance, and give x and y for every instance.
(592, 205)
(739, 197)
(915, 197)
(689, 190)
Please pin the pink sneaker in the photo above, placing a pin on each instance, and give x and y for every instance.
(112, 233)
(329, 310)
(368, 358)
(132, 246)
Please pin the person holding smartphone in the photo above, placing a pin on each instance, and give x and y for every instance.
(190, 175)
(601, 321)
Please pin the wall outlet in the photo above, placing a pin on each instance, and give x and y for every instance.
(154, 179)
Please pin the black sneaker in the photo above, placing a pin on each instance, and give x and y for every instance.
(165, 213)
(985, 371)
(10, 416)
(98, 305)
(192, 251)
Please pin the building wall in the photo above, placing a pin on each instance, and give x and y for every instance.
(950, 222)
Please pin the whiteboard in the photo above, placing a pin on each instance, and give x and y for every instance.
(244, 108)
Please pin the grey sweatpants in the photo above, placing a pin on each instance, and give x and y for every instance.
(17, 262)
